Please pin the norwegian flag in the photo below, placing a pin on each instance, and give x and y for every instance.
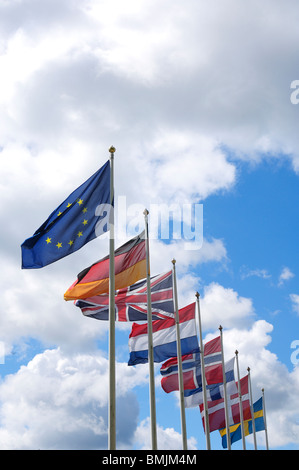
(131, 302)
(192, 368)
(216, 408)
(191, 373)
(213, 361)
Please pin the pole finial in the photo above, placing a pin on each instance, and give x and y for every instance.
(173, 261)
(248, 368)
(220, 328)
(145, 212)
(197, 295)
(112, 149)
(236, 352)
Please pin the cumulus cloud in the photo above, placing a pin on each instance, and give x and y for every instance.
(223, 306)
(184, 92)
(285, 275)
(60, 402)
(175, 55)
(167, 438)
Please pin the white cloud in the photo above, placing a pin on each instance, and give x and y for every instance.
(163, 66)
(285, 275)
(34, 307)
(60, 402)
(167, 438)
(183, 91)
(163, 253)
(182, 166)
(262, 273)
(223, 306)
(295, 300)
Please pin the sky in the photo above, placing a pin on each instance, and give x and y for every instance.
(199, 98)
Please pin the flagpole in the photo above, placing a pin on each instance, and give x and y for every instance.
(240, 401)
(225, 394)
(251, 408)
(179, 355)
(112, 401)
(265, 421)
(203, 379)
(150, 340)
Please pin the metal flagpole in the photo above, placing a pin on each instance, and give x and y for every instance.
(150, 340)
(240, 402)
(203, 379)
(112, 401)
(265, 421)
(179, 355)
(251, 408)
(225, 394)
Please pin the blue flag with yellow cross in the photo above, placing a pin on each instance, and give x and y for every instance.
(235, 430)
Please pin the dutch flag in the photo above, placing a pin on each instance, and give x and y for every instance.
(164, 338)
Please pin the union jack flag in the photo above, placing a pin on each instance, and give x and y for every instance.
(131, 302)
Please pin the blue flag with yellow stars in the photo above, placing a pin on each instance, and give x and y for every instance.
(83, 216)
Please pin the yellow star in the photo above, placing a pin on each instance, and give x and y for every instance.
(48, 240)
(59, 213)
(84, 210)
(85, 222)
(71, 242)
(80, 234)
(80, 201)
(59, 245)
(69, 205)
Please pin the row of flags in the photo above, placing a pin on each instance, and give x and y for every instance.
(166, 335)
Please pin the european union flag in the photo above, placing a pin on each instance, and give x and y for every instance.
(83, 216)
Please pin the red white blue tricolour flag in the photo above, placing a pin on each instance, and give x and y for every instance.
(164, 338)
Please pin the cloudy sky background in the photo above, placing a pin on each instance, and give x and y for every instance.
(195, 96)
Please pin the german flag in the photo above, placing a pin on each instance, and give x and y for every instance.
(130, 267)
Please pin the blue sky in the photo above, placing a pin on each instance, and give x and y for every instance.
(200, 112)
(260, 226)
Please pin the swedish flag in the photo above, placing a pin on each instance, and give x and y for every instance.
(235, 430)
(83, 216)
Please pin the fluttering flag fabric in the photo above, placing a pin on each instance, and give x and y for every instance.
(217, 413)
(130, 267)
(83, 216)
(164, 338)
(213, 361)
(191, 373)
(214, 391)
(235, 430)
(131, 302)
